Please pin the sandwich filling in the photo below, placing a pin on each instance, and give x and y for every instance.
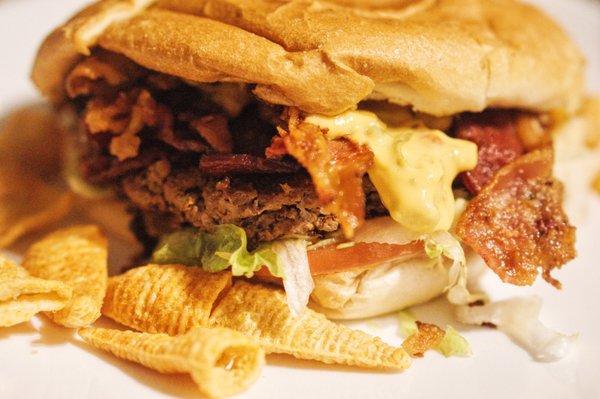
(203, 156)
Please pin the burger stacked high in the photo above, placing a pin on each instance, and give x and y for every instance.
(345, 148)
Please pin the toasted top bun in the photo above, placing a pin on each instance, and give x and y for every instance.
(440, 57)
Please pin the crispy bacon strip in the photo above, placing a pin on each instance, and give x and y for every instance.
(501, 137)
(108, 116)
(427, 337)
(517, 223)
(337, 168)
(277, 148)
(244, 164)
(497, 141)
(145, 112)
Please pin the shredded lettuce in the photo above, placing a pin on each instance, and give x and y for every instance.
(408, 323)
(519, 319)
(433, 250)
(298, 281)
(448, 246)
(452, 344)
(226, 246)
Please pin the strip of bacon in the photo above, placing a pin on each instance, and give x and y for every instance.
(244, 164)
(145, 112)
(498, 144)
(277, 148)
(501, 137)
(336, 167)
(517, 224)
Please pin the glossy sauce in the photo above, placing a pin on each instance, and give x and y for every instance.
(413, 169)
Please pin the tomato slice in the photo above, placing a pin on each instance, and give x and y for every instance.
(331, 259)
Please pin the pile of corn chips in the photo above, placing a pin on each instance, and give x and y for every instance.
(209, 325)
(65, 276)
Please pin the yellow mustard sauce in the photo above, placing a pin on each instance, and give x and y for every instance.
(413, 169)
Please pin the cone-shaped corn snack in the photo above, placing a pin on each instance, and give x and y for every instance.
(262, 312)
(76, 256)
(172, 299)
(167, 299)
(222, 362)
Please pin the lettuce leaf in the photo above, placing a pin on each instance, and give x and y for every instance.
(444, 243)
(453, 344)
(298, 282)
(226, 246)
(407, 323)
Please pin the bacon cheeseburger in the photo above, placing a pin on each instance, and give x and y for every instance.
(345, 149)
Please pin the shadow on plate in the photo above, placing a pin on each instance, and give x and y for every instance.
(20, 329)
(290, 362)
(176, 385)
(51, 334)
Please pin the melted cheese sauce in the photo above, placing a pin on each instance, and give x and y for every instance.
(413, 169)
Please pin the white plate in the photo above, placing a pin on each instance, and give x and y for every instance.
(39, 360)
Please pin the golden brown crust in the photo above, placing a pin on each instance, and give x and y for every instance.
(516, 223)
(62, 48)
(441, 57)
(427, 337)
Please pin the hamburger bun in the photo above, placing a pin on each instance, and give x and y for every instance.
(439, 57)
(357, 294)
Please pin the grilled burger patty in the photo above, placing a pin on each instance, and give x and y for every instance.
(164, 146)
(267, 207)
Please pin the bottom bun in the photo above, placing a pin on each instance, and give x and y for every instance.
(391, 286)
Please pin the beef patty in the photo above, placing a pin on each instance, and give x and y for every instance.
(267, 207)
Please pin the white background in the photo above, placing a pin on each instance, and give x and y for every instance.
(38, 360)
